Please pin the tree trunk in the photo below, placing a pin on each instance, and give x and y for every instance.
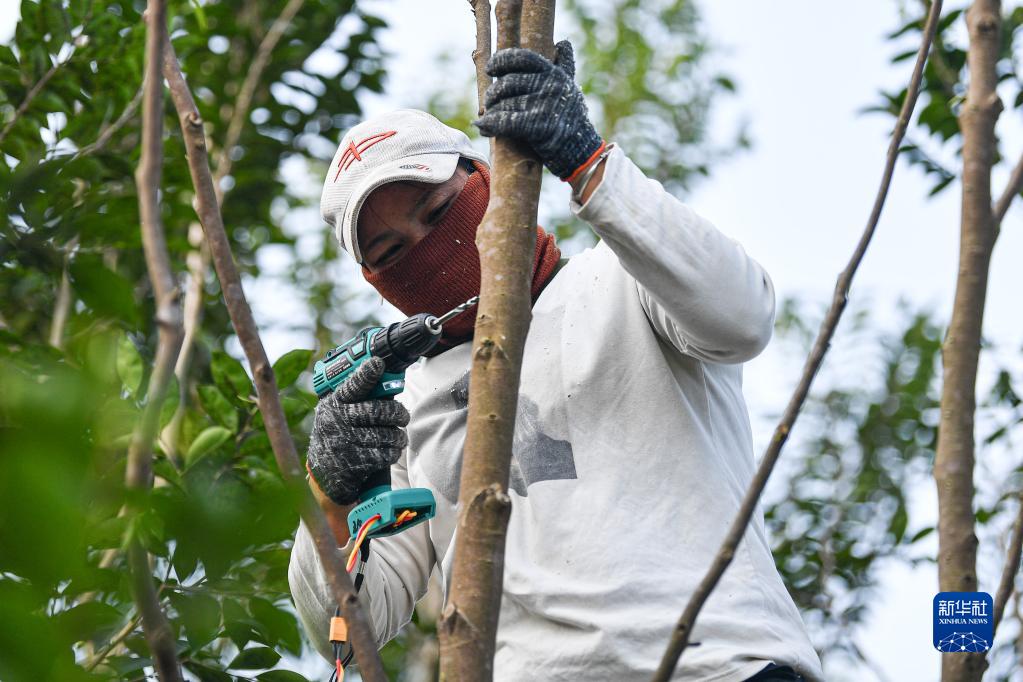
(506, 239)
(953, 465)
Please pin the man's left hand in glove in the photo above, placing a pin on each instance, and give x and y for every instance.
(538, 102)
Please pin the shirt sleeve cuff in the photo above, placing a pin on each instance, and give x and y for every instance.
(599, 195)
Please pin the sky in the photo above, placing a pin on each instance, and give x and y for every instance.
(797, 201)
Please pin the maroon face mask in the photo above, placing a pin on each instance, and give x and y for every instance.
(443, 269)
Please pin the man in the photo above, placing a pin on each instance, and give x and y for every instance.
(632, 442)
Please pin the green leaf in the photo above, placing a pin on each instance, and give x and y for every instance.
(129, 364)
(278, 623)
(290, 365)
(162, 467)
(297, 407)
(256, 657)
(149, 529)
(206, 673)
(237, 624)
(85, 621)
(230, 376)
(921, 534)
(107, 533)
(280, 676)
(218, 407)
(200, 614)
(102, 289)
(899, 522)
(124, 666)
(206, 441)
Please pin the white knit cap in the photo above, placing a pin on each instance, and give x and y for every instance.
(402, 145)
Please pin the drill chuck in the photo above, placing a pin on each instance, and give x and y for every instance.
(402, 343)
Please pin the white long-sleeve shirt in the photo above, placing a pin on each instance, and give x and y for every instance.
(631, 455)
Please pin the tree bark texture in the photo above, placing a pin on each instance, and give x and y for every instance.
(208, 210)
(683, 629)
(506, 241)
(954, 459)
(481, 55)
(139, 471)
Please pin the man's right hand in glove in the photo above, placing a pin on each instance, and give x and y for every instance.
(353, 438)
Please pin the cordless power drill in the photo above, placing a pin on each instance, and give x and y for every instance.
(400, 345)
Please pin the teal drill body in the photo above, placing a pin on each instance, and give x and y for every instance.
(342, 361)
(400, 345)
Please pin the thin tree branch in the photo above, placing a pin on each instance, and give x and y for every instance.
(244, 324)
(139, 474)
(1011, 569)
(481, 55)
(62, 306)
(683, 629)
(105, 134)
(1012, 189)
(121, 635)
(32, 93)
(506, 239)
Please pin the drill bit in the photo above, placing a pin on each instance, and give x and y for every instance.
(437, 322)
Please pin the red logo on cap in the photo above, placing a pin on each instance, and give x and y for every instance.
(354, 151)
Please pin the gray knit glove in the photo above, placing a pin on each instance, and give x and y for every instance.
(352, 437)
(538, 102)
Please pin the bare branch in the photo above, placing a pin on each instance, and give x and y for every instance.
(1012, 559)
(506, 239)
(266, 385)
(1012, 189)
(138, 476)
(31, 95)
(480, 56)
(684, 627)
(62, 306)
(105, 134)
(121, 635)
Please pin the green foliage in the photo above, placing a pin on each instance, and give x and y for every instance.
(935, 142)
(863, 442)
(219, 521)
